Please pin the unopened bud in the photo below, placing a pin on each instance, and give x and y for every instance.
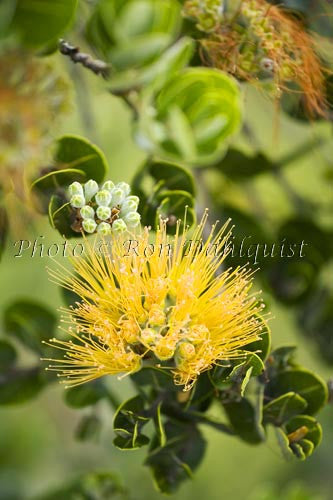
(132, 219)
(103, 213)
(103, 198)
(118, 196)
(89, 225)
(119, 226)
(90, 189)
(130, 204)
(108, 185)
(75, 188)
(87, 212)
(104, 228)
(77, 201)
(126, 188)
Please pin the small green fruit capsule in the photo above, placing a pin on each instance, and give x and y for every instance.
(90, 189)
(103, 213)
(89, 225)
(103, 198)
(87, 212)
(77, 201)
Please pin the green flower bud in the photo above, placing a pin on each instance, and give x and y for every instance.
(125, 187)
(77, 201)
(129, 205)
(87, 212)
(75, 188)
(108, 185)
(119, 226)
(90, 189)
(118, 196)
(89, 225)
(103, 198)
(103, 213)
(132, 219)
(104, 228)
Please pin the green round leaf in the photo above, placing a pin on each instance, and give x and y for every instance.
(304, 383)
(173, 176)
(77, 152)
(196, 111)
(172, 205)
(134, 33)
(40, 21)
(281, 409)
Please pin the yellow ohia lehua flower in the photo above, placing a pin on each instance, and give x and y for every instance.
(156, 300)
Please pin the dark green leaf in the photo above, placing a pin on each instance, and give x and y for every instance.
(239, 166)
(282, 357)
(305, 383)
(89, 428)
(82, 154)
(245, 419)
(30, 323)
(176, 461)
(303, 434)
(154, 377)
(261, 347)
(128, 422)
(62, 216)
(174, 177)
(7, 355)
(172, 205)
(281, 409)
(18, 385)
(85, 395)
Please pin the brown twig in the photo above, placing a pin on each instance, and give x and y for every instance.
(95, 65)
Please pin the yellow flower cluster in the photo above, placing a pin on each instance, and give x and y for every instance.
(177, 310)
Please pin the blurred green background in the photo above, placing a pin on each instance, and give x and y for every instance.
(38, 451)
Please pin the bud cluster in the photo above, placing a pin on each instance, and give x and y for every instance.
(208, 13)
(260, 40)
(105, 209)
